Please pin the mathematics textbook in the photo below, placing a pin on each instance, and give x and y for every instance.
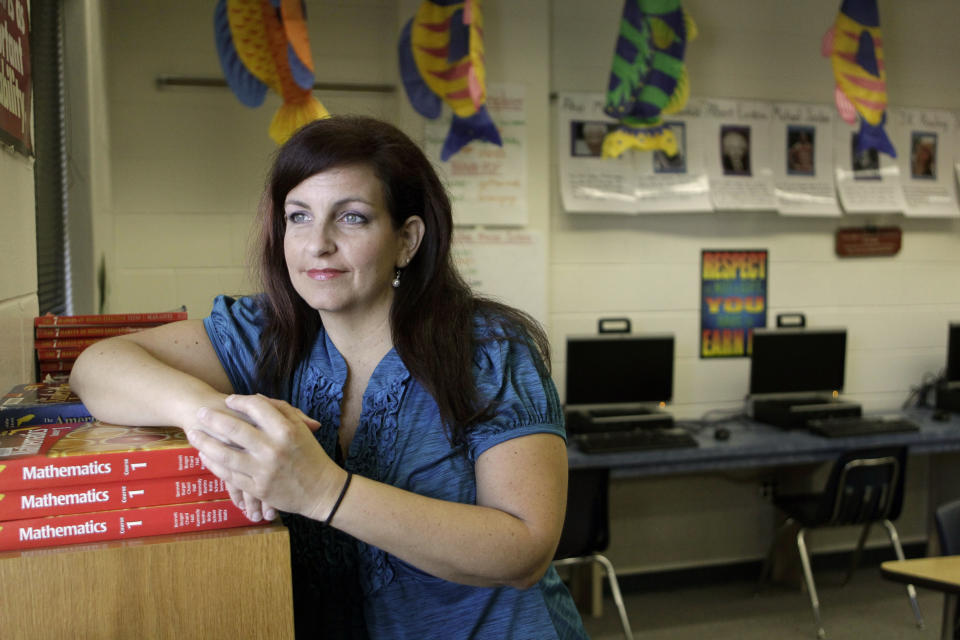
(81, 453)
(123, 523)
(107, 496)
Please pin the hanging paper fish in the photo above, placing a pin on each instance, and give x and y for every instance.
(264, 44)
(442, 60)
(648, 77)
(855, 49)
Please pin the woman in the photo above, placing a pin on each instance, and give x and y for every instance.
(407, 430)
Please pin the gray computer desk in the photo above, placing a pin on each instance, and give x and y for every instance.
(754, 444)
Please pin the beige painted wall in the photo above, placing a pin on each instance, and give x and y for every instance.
(184, 169)
(18, 269)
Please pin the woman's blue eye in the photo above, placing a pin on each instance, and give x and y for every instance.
(296, 216)
(352, 217)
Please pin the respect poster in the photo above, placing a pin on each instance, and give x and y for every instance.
(733, 301)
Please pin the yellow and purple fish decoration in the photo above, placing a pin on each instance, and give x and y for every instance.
(263, 44)
(442, 61)
(855, 48)
(648, 77)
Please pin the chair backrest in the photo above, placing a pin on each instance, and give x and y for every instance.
(948, 528)
(865, 485)
(586, 527)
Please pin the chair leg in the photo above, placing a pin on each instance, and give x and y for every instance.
(615, 590)
(808, 577)
(767, 568)
(911, 591)
(855, 560)
(950, 626)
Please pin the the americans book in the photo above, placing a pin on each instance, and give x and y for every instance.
(69, 454)
(41, 403)
(108, 496)
(123, 523)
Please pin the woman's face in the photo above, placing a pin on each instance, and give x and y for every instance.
(340, 246)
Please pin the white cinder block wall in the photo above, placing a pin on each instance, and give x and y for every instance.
(186, 166)
(646, 268)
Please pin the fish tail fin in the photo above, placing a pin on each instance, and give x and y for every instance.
(875, 137)
(479, 126)
(293, 115)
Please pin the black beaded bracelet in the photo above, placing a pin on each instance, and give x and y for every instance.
(336, 505)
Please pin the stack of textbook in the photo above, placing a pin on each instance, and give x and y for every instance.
(90, 482)
(60, 339)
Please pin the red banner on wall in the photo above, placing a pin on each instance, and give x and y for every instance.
(15, 90)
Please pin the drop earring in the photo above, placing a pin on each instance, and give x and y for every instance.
(396, 280)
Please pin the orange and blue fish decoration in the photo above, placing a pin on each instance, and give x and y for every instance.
(855, 48)
(263, 44)
(442, 61)
(648, 77)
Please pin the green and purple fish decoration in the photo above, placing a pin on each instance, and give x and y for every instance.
(648, 77)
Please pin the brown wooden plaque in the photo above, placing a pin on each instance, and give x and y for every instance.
(861, 242)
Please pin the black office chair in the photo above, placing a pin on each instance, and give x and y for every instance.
(865, 486)
(947, 518)
(586, 530)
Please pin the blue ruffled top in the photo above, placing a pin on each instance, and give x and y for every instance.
(346, 588)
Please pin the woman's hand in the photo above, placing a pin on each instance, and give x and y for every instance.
(272, 461)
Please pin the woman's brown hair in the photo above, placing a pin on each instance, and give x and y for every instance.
(434, 313)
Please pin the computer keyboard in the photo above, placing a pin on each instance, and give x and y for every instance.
(844, 426)
(636, 440)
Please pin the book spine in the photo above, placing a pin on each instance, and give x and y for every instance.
(56, 366)
(64, 343)
(48, 355)
(86, 332)
(16, 417)
(111, 466)
(110, 319)
(35, 503)
(117, 525)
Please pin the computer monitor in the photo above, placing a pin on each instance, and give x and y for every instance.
(619, 369)
(797, 360)
(953, 353)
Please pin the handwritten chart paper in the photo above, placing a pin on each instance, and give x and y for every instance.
(510, 266)
(487, 183)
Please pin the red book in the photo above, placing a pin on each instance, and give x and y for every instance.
(87, 332)
(64, 343)
(52, 355)
(109, 319)
(56, 366)
(73, 453)
(108, 496)
(116, 525)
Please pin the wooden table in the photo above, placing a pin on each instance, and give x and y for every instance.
(941, 573)
(221, 585)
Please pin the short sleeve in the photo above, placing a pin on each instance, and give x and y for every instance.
(511, 372)
(234, 328)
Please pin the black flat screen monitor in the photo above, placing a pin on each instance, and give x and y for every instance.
(953, 353)
(619, 369)
(797, 360)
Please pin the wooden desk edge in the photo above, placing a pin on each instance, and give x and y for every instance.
(923, 572)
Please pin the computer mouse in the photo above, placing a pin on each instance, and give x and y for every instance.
(721, 433)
